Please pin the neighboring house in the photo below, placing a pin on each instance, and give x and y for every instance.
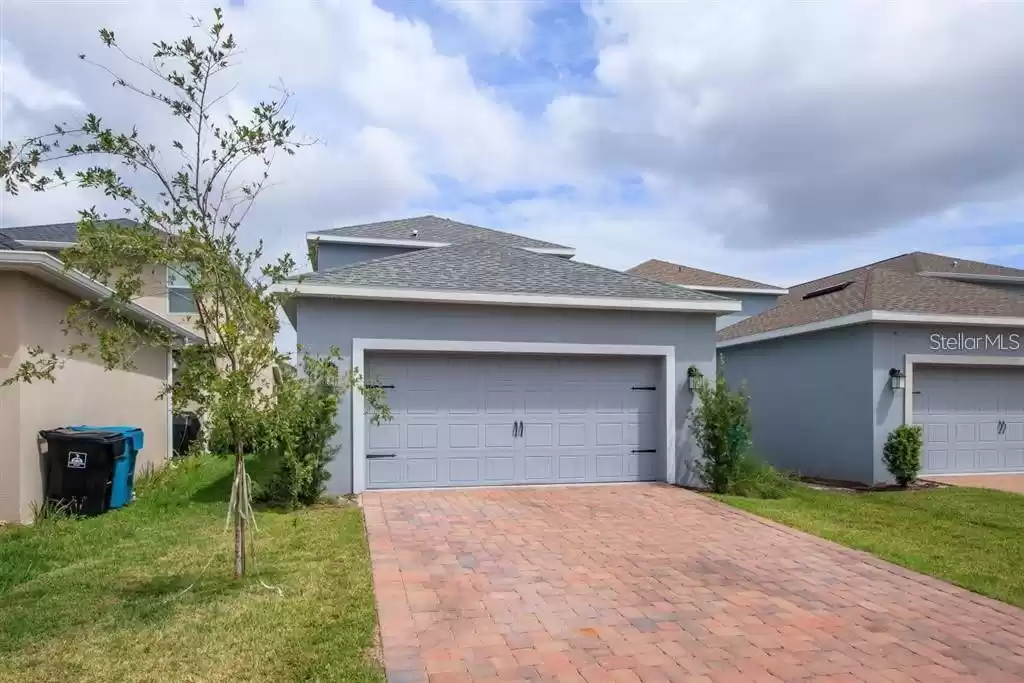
(35, 293)
(163, 291)
(754, 297)
(503, 360)
(919, 338)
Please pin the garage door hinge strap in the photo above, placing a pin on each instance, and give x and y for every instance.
(645, 450)
(644, 388)
(380, 455)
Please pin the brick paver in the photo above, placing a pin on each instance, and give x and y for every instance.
(1014, 483)
(653, 583)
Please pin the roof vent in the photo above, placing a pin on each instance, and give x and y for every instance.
(415, 233)
(956, 263)
(828, 290)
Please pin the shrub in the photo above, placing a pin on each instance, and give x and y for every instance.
(721, 427)
(299, 429)
(902, 453)
(757, 479)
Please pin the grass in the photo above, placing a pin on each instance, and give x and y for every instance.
(109, 599)
(971, 537)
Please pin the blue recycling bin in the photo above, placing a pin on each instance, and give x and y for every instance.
(122, 479)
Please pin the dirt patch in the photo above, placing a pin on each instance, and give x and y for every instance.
(856, 487)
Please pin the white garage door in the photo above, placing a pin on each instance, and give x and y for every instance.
(481, 420)
(973, 418)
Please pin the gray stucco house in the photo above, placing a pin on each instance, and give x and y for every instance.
(504, 360)
(919, 338)
(754, 297)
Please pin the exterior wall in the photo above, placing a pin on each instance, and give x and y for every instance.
(323, 323)
(84, 393)
(334, 255)
(752, 305)
(892, 343)
(810, 401)
(10, 398)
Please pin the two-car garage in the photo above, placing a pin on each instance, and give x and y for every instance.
(463, 419)
(972, 417)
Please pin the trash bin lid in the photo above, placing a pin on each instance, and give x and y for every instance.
(93, 435)
(130, 433)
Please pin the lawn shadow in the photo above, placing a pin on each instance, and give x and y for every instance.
(260, 467)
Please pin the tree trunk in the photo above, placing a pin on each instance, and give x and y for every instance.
(241, 501)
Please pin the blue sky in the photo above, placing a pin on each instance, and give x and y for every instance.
(772, 140)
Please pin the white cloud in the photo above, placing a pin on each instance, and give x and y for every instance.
(504, 24)
(20, 87)
(796, 121)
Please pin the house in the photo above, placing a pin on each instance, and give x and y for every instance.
(503, 359)
(920, 338)
(35, 293)
(754, 297)
(163, 290)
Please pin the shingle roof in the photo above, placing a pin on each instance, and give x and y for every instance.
(57, 232)
(7, 243)
(881, 289)
(675, 274)
(914, 262)
(435, 229)
(488, 267)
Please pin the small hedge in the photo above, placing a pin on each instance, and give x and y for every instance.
(902, 453)
(757, 479)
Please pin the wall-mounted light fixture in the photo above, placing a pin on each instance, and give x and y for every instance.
(693, 377)
(897, 379)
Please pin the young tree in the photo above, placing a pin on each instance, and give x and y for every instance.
(188, 198)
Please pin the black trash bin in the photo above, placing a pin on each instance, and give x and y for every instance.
(186, 431)
(80, 468)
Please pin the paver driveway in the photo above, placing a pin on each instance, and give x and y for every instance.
(654, 583)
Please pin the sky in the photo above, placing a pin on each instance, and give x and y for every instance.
(777, 141)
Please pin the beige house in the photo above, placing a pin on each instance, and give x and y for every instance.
(35, 293)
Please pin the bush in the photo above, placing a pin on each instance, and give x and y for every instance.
(902, 453)
(296, 431)
(299, 429)
(757, 479)
(721, 427)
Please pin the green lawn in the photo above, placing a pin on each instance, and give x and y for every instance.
(102, 599)
(971, 537)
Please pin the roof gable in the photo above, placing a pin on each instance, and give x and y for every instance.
(675, 274)
(434, 230)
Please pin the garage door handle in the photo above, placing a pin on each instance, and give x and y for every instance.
(380, 455)
(644, 450)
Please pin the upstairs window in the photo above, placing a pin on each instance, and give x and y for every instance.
(179, 293)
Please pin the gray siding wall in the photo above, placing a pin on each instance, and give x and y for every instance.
(323, 323)
(752, 305)
(892, 343)
(810, 401)
(333, 255)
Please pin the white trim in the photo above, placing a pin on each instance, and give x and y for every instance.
(932, 477)
(738, 290)
(877, 317)
(507, 299)
(52, 270)
(977, 277)
(912, 359)
(499, 487)
(361, 346)
(418, 244)
(43, 244)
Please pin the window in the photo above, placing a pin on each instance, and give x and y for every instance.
(179, 293)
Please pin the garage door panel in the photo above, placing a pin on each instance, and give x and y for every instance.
(455, 416)
(970, 418)
(420, 436)
(387, 435)
(538, 434)
(421, 471)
